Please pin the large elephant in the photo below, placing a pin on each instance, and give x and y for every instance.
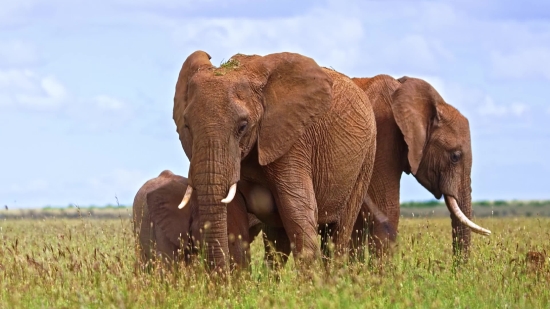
(418, 133)
(281, 122)
(164, 230)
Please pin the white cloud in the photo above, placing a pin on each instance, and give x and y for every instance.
(27, 89)
(53, 88)
(346, 37)
(313, 35)
(518, 108)
(108, 103)
(525, 63)
(17, 53)
(14, 12)
(415, 52)
(490, 108)
(22, 89)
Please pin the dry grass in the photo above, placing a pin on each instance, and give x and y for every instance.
(62, 263)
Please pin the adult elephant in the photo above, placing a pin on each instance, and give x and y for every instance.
(418, 133)
(163, 230)
(281, 122)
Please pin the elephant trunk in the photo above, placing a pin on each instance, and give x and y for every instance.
(460, 207)
(462, 233)
(212, 178)
(213, 222)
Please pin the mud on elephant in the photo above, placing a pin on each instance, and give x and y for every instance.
(305, 133)
(418, 133)
(163, 230)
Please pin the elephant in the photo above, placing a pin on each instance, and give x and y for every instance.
(164, 230)
(418, 133)
(305, 133)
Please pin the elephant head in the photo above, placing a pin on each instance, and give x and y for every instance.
(173, 232)
(223, 114)
(439, 151)
(163, 229)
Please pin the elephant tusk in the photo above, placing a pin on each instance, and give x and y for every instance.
(186, 197)
(453, 207)
(230, 194)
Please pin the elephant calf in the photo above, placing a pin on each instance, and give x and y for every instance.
(164, 230)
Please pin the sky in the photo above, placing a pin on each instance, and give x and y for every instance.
(87, 87)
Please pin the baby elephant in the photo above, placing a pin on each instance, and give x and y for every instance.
(165, 231)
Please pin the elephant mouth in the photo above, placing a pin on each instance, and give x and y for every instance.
(187, 196)
(452, 205)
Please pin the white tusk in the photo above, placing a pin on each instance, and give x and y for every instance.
(186, 197)
(453, 207)
(230, 194)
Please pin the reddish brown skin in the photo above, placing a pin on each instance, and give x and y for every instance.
(309, 139)
(417, 132)
(164, 230)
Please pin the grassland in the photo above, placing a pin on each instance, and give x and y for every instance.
(425, 209)
(90, 263)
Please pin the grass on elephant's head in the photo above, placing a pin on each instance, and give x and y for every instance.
(92, 263)
(226, 66)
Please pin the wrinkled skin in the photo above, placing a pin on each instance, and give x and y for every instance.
(418, 133)
(165, 231)
(281, 122)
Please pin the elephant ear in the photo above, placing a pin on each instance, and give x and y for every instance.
(195, 62)
(296, 91)
(414, 106)
(163, 209)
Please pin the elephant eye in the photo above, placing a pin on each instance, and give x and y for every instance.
(242, 126)
(455, 156)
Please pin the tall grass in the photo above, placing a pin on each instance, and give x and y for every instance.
(64, 263)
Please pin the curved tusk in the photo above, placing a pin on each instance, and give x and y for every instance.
(453, 207)
(186, 197)
(230, 194)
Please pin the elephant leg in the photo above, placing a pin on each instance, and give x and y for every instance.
(238, 233)
(277, 247)
(344, 227)
(373, 228)
(295, 198)
(255, 226)
(361, 231)
(326, 237)
(379, 240)
(383, 231)
(163, 247)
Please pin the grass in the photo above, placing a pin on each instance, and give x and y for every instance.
(226, 66)
(426, 209)
(69, 263)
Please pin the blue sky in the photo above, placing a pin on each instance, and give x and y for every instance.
(86, 87)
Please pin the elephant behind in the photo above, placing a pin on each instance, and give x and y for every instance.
(164, 230)
(417, 133)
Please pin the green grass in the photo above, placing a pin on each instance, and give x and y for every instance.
(62, 263)
(226, 66)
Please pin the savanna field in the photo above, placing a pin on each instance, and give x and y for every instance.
(91, 263)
